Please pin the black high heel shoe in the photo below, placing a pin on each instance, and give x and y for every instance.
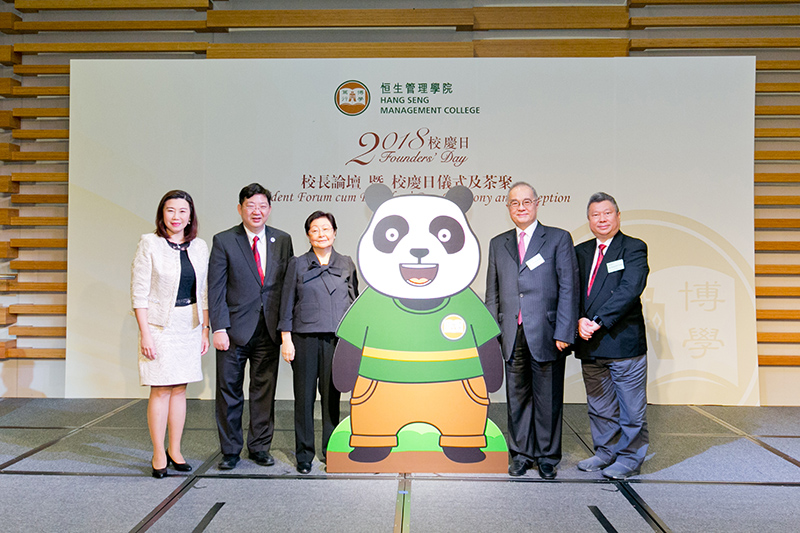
(160, 473)
(180, 467)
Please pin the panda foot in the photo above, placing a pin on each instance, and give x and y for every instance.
(464, 455)
(369, 455)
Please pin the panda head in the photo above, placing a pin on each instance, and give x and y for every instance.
(418, 246)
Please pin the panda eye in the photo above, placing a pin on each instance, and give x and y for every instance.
(449, 232)
(389, 232)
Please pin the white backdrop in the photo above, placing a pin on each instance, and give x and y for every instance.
(670, 138)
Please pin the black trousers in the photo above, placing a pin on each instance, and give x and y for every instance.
(263, 355)
(312, 366)
(535, 394)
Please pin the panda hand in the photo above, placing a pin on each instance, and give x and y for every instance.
(492, 362)
(346, 360)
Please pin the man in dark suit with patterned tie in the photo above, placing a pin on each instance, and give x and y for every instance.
(532, 291)
(246, 268)
(612, 345)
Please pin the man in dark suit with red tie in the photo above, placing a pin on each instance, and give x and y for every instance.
(612, 345)
(246, 268)
(532, 291)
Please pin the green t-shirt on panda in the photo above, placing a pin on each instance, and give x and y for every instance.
(404, 345)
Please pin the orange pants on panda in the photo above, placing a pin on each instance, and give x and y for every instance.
(380, 409)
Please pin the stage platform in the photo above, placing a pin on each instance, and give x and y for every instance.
(84, 465)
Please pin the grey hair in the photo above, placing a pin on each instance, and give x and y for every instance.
(598, 197)
(522, 184)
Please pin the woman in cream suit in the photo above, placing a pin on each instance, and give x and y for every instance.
(170, 301)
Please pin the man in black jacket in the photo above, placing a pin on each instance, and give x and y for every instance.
(612, 345)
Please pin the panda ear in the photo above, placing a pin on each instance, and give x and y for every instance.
(461, 196)
(376, 194)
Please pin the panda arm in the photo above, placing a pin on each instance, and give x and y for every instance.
(492, 364)
(346, 360)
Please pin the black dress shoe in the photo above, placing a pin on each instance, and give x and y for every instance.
(180, 467)
(262, 458)
(159, 473)
(228, 462)
(518, 467)
(304, 467)
(547, 471)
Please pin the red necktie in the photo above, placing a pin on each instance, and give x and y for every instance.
(257, 257)
(600, 247)
(521, 248)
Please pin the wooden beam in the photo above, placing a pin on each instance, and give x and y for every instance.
(41, 70)
(29, 286)
(39, 156)
(35, 92)
(643, 3)
(773, 270)
(761, 314)
(8, 121)
(776, 177)
(6, 346)
(40, 112)
(778, 87)
(7, 86)
(778, 292)
(36, 353)
(788, 338)
(551, 47)
(50, 177)
(777, 223)
(37, 331)
(771, 110)
(777, 246)
(6, 317)
(682, 44)
(8, 56)
(94, 48)
(8, 185)
(39, 198)
(341, 18)
(7, 21)
(779, 360)
(38, 221)
(38, 243)
(777, 65)
(777, 132)
(112, 25)
(7, 214)
(40, 134)
(19, 264)
(7, 252)
(332, 50)
(33, 6)
(775, 155)
(551, 17)
(638, 23)
(6, 151)
(37, 309)
(777, 200)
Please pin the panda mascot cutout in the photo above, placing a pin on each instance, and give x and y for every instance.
(417, 348)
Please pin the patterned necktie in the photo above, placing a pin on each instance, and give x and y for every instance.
(596, 267)
(521, 248)
(257, 257)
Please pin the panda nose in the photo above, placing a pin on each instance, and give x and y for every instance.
(419, 253)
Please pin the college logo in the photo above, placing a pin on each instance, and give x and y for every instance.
(352, 98)
(453, 327)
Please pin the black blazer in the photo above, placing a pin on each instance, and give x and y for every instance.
(615, 299)
(315, 297)
(547, 295)
(235, 293)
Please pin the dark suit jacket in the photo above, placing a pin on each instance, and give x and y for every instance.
(547, 295)
(615, 299)
(315, 298)
(235, 293)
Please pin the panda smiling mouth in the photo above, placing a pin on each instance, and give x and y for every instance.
(418, 274)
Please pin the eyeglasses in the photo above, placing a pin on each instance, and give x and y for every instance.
(527, 203)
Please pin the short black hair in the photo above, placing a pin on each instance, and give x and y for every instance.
(319, 214)
(600, 197)
(252, 190)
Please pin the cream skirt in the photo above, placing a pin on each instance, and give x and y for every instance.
(178, 345)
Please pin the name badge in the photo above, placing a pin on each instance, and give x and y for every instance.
(535, 261)
(613, 266)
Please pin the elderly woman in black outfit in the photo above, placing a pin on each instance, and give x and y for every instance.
(320, 285)
(170, 301)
